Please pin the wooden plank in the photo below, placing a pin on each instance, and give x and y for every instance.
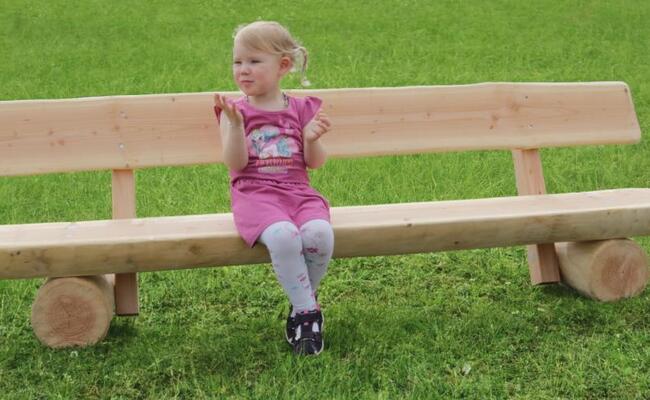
(124, 204)
(151, 244)
(131, 132)
(542, 260)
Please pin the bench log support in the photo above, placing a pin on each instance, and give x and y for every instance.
(542, 259)
(73, 311)
(604, 270)
(126, 285)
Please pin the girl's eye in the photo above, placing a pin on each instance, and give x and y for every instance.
(255, 61)
(237, 62)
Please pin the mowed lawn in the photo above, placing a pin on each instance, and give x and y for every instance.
(442, 325)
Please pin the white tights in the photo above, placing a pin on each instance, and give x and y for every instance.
(300, 258)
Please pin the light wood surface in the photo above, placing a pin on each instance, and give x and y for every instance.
(124, 205)
(149, 244)
(131, 132)
(605, 270)
(74, 311)
(542, 260)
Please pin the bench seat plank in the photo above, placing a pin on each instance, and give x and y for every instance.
(161, 243)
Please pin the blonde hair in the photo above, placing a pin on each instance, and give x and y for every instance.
(273, 38)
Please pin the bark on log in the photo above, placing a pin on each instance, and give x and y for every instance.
(74, 311)
(605, 270)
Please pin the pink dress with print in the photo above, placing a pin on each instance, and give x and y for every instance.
(274, 185)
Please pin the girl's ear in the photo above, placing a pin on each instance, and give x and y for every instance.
(285, 65)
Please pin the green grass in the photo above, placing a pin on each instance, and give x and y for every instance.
(445, 325)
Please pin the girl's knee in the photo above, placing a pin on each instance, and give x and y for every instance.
(283, 238)
(317, 233)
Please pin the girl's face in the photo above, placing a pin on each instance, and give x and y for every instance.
(256, 72)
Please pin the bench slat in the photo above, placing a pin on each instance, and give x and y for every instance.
(130, 132)
(150, 244)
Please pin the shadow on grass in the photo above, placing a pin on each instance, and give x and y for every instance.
(123, 329)
(560, 291)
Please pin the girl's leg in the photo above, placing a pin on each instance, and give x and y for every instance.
(318, 246)
(285, 247)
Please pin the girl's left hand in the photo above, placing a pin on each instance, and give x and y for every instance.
(317, 127)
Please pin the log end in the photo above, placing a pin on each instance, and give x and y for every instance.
(606, 270)
(74, 311)
(623, 269)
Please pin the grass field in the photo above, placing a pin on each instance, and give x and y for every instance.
(444, 325)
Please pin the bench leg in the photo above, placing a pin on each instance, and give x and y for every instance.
(543, 264)
(126, 285)
(542, 260)
(126, 294)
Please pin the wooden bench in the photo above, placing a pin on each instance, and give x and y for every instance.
(125, 133)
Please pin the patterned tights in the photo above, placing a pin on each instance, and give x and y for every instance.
(300, 258)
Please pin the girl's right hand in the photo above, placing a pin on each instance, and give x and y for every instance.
(234, 116)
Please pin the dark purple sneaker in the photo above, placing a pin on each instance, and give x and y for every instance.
(290, 330)
(308, 338)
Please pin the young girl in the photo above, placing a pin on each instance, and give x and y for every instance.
(269, 139)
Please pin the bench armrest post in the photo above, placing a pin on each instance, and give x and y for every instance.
(542, 260)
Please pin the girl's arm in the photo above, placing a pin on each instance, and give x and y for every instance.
(233, 138)
(314, 152)
(315, 155)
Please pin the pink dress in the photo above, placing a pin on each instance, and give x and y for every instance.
(274, 185)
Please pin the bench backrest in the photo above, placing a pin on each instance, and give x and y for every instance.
(131, 132)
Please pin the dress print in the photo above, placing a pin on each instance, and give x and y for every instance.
(274, 148)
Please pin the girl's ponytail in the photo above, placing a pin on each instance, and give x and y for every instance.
(303, 70)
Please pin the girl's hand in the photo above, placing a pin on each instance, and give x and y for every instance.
(317, 127)
(234, 116)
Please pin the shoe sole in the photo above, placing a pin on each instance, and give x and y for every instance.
(322, 347)
(287, 337)
(318, 352)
